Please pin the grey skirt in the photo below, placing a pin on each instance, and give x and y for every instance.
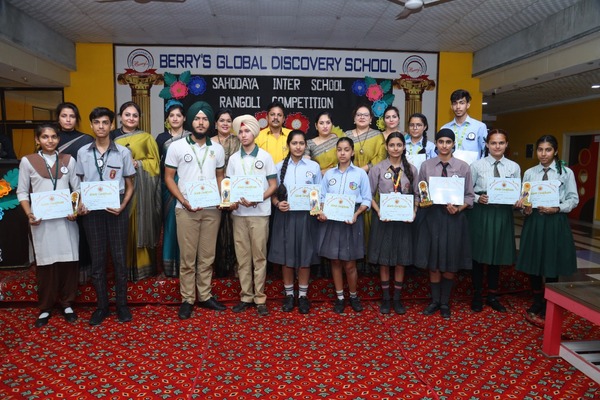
(342, 241)
(294, 239)
(390, 243)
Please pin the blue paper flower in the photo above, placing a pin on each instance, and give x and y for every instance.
(1, 214)
(197, 85)
(379, 107)
(172, 103)
(359, 87)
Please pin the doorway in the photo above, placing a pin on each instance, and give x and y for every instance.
(582, 151)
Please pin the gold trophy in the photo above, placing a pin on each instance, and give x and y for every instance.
(225, 193)
(424, 193)
(525, 191)
(315, 204)
(75, 202)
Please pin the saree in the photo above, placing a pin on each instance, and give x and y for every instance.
(145, 206)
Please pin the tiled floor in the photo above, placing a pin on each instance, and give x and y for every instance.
(587, 245)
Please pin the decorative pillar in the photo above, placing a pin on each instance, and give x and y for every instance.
(413, 93)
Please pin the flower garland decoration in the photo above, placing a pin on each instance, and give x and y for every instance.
(297, 121)
(175, 88)
(261, 117)
(8, 188)
(380, 94)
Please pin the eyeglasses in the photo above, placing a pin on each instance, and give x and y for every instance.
(416, 125)
(360, 115)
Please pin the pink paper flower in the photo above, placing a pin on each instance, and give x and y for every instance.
(297, 121)
(178, 90)
(374, 92)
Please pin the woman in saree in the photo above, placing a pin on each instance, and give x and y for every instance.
(322, 148)
(174, 132)
(144, 215)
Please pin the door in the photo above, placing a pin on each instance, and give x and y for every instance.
(583, 160)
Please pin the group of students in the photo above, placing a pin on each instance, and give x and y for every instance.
(362, 162)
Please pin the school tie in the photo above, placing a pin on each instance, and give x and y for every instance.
(545, 177)
(496, 172)
(444, 170)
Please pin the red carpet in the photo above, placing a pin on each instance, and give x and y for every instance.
(288, 356)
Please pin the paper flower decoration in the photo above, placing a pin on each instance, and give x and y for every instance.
(359, 87)
(297, 121)
(339, 132)
(4, 188)
(261, 117)
(380, 124)
(175, 88)
(171, 103)
(197, 86)
(379, 107)
(1, 216)
(374, 92)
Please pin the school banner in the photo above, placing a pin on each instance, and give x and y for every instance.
(305, 81)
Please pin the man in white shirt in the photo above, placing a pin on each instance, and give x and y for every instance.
(193, 159)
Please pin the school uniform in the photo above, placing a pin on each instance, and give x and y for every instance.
(339, 240)
(196, 231)
(391, 243)
(491, 226)
(470, 135)
(442, 240)
(546, 247)
(101, 226)
(294, 233)
(417, 148)
(251, 225)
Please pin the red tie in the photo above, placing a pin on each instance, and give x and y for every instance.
(444, 171)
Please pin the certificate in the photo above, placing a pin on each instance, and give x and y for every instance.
(299, 197)
(503, 190)
(416, 159)
(339, 207)
(396, 207)
(544, 193)
(51, 205)
(465, 155)
(100, 195)
(202, 194)
(449, 190)
(250, 187)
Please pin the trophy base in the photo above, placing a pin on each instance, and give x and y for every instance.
(425, 204)
(315, 212)
(225, 205)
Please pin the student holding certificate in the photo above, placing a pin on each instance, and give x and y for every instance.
(103, 161)
(492, 226)
(391, 242)
(251, 218)
(547, 249)
(293, 236)
(442, 239)
(198, 162)
(55, 241)
(343, 242)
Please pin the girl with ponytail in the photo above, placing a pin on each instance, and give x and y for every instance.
(547, 249)
(293, 236)
(391, 242)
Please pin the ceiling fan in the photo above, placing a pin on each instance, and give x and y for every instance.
(142, 1)
(414, 6)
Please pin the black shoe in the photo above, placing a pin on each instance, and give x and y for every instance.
(41, 321)
(303, 305)
(69, 316)
(399, 307)
(124, 314)
(241, 306)
(185, 310)
(338, 306)
(262, 309)
(495, 304)
(537, 307)
(98, 316)
(288, 303)
(477, 304)
(212, 304)
(385, 306)
(431, 309)
(355, 304)
(445, 311)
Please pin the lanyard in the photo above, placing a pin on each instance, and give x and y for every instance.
(100, 164)
(396, 182)
(200, 164)
(412, 147)
(53, 179)
(244, 165)
(460, 136)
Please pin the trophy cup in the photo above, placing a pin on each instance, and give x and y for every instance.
(225, 193)
(525, 191)
(315, 204)
(75, 202)
(424, 193)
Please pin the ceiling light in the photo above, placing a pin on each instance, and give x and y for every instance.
(595, 86)
(484, 103)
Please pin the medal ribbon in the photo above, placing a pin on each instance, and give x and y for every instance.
(460, 136)
(53, 179)
(396, 178)
(102, 167)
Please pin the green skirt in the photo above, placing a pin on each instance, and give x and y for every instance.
(547, 248)
(492, 231)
